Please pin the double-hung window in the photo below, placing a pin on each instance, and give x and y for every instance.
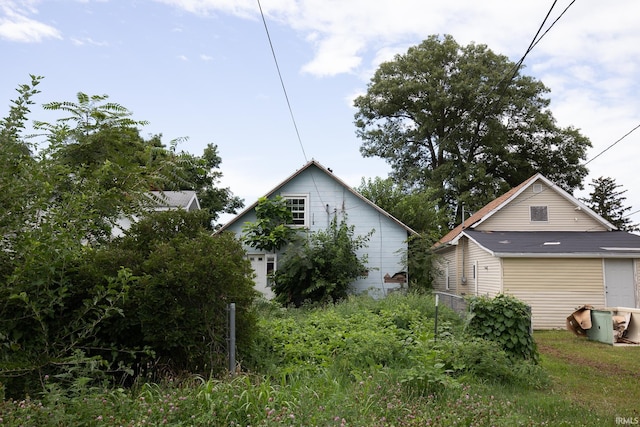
(298, 204)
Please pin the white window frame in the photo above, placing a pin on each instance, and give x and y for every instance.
(273, 260)
(447, 278)
(305, 212)
(540, 208)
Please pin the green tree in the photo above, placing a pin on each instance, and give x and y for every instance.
(17, 167)
(416, 208)
(105, 145)
(449, 117)
(58, 204)
(323, 267)
(419, 210)
(46, 323)
(270, 231)
(202, 174)
(608, 201)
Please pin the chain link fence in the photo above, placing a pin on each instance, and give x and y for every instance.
(454, 302)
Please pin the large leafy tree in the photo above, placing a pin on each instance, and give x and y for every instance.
(203, 174)
(417, 208)
(607, 200)
(462, 120)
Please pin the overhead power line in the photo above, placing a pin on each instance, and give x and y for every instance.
(506, 80)
(611, 145)
(284, 89)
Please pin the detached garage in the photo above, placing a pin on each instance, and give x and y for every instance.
(545, 247)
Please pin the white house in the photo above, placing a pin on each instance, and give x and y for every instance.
(315, 196)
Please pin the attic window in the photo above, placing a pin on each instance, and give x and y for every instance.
(539, 213)
(537, 188)
(298, 204)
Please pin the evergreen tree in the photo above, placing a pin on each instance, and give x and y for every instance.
(608, 201)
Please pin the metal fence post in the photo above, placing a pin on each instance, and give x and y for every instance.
(232, 338)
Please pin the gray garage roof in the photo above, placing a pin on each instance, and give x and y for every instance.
(558, 243)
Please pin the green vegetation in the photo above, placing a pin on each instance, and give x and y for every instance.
(83, 308)
(463, 122)
(316, 267)
(322, 267)
(607, 200)
(270, 231)
(505, 320)
(97, 330)
(330, 369)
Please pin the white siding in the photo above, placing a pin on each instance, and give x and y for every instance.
(554, 288)
(446, 259)
(561, 213)
(488, 280)
(637, 280)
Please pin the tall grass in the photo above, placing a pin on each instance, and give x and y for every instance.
(358, 363)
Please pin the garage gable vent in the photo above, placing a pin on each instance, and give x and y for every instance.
(537, 188)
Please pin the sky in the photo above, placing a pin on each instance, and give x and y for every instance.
(203, 71)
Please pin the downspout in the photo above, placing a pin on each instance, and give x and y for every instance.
(463, 280)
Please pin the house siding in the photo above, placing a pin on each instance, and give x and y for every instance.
(444, 258)
(637, 281)
(328, 198)
(562, 215)
(488, 280)
(554, 288)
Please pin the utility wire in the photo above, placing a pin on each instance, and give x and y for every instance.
(284, 89)
(611, 145)
(504, 82)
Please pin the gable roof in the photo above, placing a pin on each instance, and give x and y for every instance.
(308, 165)
(557, 243)
(495, 205)
(166, 200)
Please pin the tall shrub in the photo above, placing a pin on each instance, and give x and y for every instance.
(505, 320)
(186, 278)
(323, 267)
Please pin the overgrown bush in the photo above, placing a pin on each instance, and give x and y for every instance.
(505, 320)
(395, 335)
(185, 279)
(60, 312)
(322, 268)
(473, 357)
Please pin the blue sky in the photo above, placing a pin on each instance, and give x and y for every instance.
(203, 70)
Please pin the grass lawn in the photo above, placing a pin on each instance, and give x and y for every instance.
(601, 380)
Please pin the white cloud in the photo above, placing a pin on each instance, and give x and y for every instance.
(88, 41)
(16, 26)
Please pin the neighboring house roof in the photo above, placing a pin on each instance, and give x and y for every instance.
(494, 206)
(167, 200)
(308, 165)
(557, 243)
